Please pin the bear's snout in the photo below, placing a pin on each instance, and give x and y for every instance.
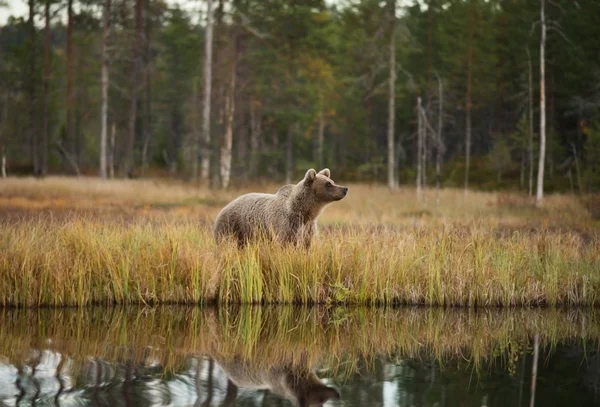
(345, 191)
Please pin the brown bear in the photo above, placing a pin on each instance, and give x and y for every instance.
(289, 216)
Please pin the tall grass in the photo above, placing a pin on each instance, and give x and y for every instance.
(86, 261)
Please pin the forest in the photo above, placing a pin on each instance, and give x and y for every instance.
(495, 94)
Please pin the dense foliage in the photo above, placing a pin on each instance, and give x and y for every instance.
(309, 80)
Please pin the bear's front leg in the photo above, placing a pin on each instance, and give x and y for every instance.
(306, 234)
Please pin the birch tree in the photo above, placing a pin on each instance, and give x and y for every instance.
(45, 87)
(70, 90)
(32, 89)
(540, 180)
(207, 92)
(105, 79)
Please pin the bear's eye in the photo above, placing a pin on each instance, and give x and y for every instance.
(328, 185)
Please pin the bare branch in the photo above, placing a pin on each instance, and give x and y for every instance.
(555, 27)
(535, 23)
(246, 24)
(558, 6)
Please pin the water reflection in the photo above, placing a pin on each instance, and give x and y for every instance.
(297, 357)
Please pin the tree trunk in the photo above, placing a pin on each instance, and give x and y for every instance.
(536, 352)
(207, 93)
(424, 155)
(420, 126)
(195, 139)
(3, 134)
(104, 113)
(540, 181)
(255, 130)
(530, 146)
(229, 112)
(45, 119)
(578, 173)
(468, 108)
(3, 161)
(440, 143)
(392, 96)
(289, 165)
(321, 139)
(111, 160)
(148, 89)
(522, 175)
(70, 141)
(33, 139)
(129, 159)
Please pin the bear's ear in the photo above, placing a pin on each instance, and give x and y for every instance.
(310, 176)
(326, 172)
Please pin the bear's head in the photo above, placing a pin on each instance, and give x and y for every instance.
(317, 395)
(321, 187)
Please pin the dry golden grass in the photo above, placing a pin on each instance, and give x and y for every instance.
(365, 205)
(377, 247)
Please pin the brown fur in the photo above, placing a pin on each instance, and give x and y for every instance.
(295, 383)
(289, 216)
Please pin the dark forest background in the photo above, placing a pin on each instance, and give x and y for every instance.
(305, 83)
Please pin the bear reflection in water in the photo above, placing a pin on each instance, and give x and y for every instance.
(296, 383)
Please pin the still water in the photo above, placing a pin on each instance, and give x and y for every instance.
(286, 356)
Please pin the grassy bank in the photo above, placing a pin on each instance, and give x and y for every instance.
(86, 261)
(83, 241)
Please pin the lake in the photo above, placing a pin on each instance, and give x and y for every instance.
(299, 356)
